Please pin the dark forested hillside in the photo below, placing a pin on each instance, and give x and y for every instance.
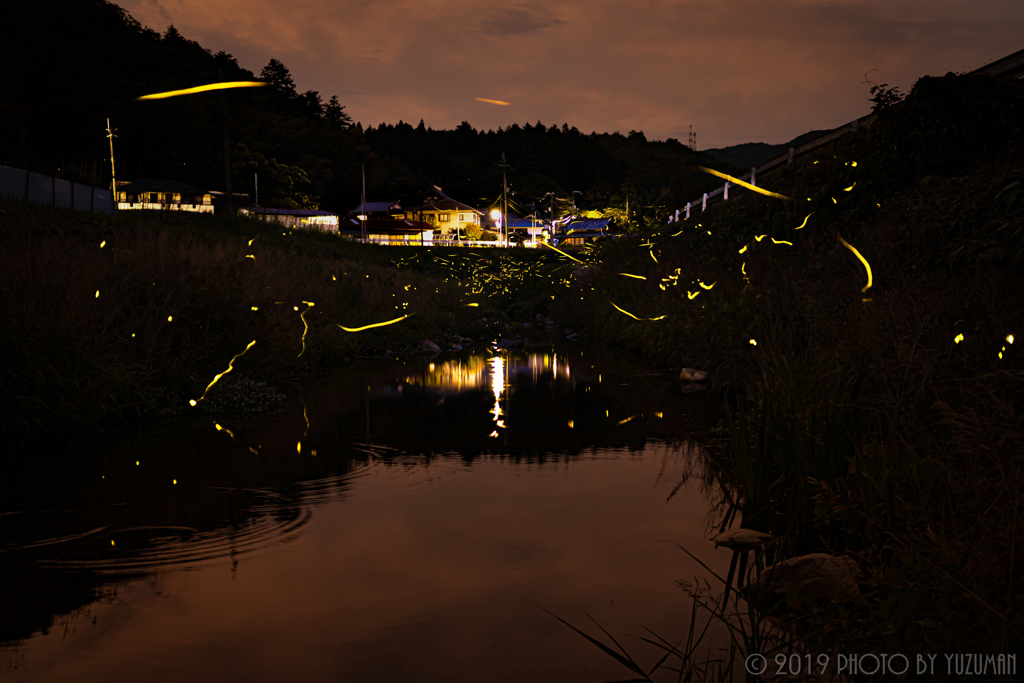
(71, 64)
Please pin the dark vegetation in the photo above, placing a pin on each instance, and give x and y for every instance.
(883, 422)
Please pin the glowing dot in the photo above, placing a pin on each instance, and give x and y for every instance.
(658, 415)
(334, 277)
(296, 308)
(111, 543)
(298, 447)
(753, 342)
(97, 294)
(571, 424)
(313, 452)
(834, 201)
(174, 481)
(136, 463)
(853, 163)
(744, 249)
(255, 308)
(958, 338)
(192, 402)
(1009, 339)
(170, 318)
(103, 244)
(133, 334)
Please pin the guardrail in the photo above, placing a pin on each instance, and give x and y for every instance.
(823, 139)
(29, 186)
(1011, 66)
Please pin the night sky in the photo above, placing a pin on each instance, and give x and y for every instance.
(738, 71)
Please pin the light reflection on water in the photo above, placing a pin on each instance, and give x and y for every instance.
(412, 547)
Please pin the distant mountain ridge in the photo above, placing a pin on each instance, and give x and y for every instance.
(750, 154)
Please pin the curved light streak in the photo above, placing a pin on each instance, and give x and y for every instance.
(204, 88)
(863, 260)
(367, 327)
(621, 310)
(231, 366)
(739, 182)
(498, 102)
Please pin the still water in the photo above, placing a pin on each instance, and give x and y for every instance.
(405, 521)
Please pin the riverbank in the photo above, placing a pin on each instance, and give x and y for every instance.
(869, 329)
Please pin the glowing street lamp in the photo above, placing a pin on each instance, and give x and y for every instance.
(496, 215)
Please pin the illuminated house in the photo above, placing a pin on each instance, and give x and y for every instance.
(449, 218)
(584, 230)
(162, 195)
(294, 218)
(384, 231)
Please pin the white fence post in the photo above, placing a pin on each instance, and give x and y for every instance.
(753, 176)
(704, 204)
(725, 192)
(688, 210)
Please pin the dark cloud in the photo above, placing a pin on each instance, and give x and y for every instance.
(514, 21)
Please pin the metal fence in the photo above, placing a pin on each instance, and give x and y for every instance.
(29, 186)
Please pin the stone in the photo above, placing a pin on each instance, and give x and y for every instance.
(692, 375)
(742, 539)
(816, 575)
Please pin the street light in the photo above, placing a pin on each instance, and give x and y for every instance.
(496, 216)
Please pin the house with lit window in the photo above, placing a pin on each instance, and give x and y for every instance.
(449, 218)
(294, 218)
(162, 195)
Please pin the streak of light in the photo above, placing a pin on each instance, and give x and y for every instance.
(620, 310)
(97, 294)
(366, 327)
(804, 224)
(638, 277)
(571, 424)
(739, 182)
(1009, 338)
(693, 295)
(561, 252)
(472, 305)
(753, 342)
(653, 256)
(203, 88)
(781, 242)
(250, 256)
(707, 286)
(847, 189)
(309, 304)
(498, 102)
(622, 422)
(958, 338)
(103, 244)
(863, 260)
(231, 366)
(744, 249)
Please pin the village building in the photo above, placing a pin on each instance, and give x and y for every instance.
(294, 218)
(162, 195)
(388, 231)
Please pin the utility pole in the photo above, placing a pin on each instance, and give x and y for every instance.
(113, 179)
(256, 181)
(227, 154)
(504, 199)
(362, 216)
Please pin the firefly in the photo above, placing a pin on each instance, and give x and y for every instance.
(366, 327)
(230, 368)
(739, 182)
(204, 88)
(867, 266)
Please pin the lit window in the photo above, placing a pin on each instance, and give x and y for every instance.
(443, 217)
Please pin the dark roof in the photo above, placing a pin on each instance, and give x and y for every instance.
(159, 185)
(441, 205)
(376, 207)
(585, 224)
(289, 212)
(396, 227)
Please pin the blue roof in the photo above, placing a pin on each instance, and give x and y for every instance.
(525, 223)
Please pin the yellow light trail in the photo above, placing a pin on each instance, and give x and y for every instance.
(958, 338)
(622, 422)
(203, 88)
(744, 249)
(498, 102)
(231, 366)
(781, 242)
(802, 225)
(707, 286)
(620, 310)
(692, 295)
(863, 260)
(739, 182)
(562, 252)
(638, 277)
(367, 327)
(309, 305)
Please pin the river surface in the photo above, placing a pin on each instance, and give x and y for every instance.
(403, 521)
